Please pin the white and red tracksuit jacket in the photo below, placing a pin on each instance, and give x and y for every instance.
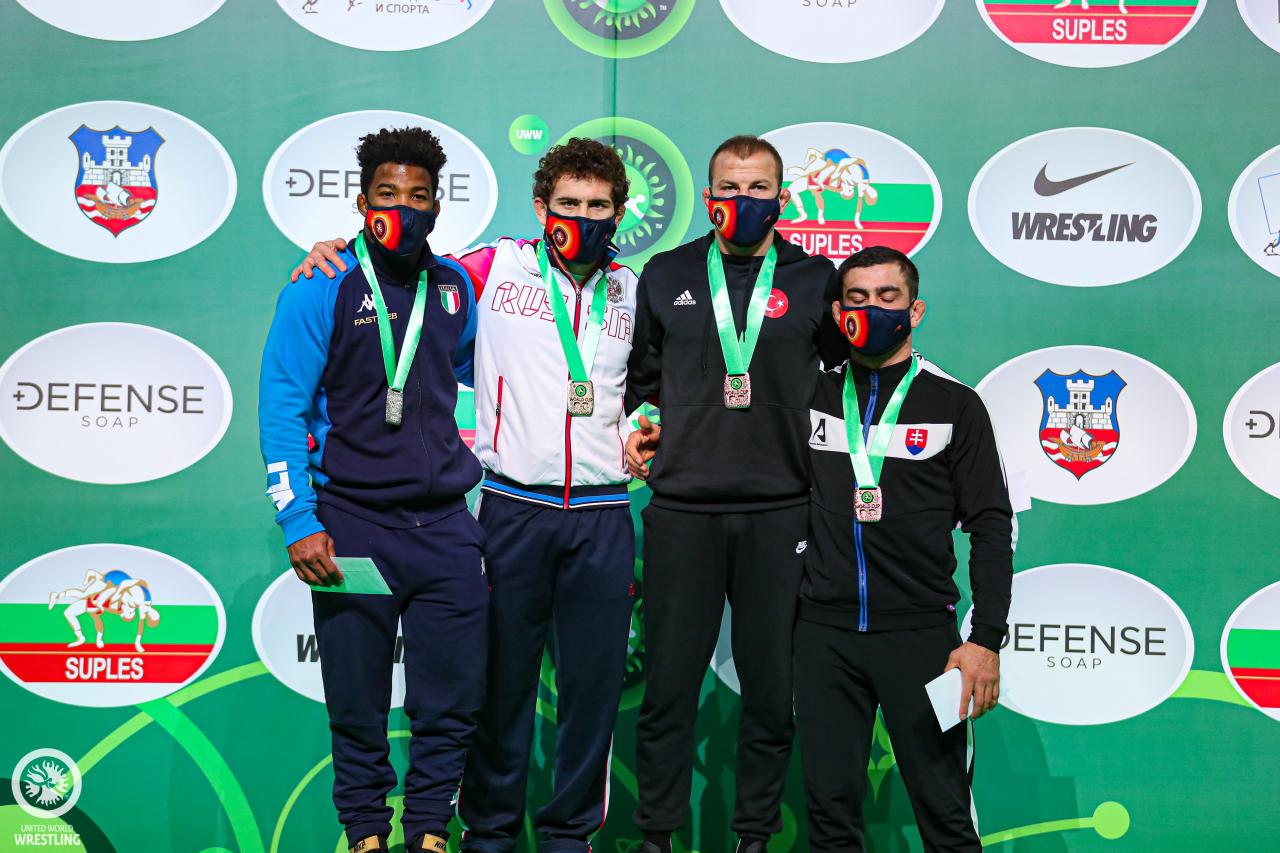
(529, 445)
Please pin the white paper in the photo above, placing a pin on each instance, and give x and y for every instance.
(944, 695)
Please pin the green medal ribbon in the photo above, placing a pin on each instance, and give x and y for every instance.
(580, 361)
(868, 461)
(397, 370)
(738, 350)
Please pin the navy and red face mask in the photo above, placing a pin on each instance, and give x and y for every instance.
(400, 229)
(743, 220)
(579, 239)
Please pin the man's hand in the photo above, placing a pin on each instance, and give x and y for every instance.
(320, 253)
(979, 675)
(641, 447)
(310, 560)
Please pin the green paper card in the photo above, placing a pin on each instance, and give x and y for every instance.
(359, 575)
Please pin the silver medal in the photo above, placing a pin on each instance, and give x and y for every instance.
(737, 390)
(395, 406)
(868, 505)
(582, 398)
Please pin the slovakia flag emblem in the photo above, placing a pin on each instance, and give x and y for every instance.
(916, 440)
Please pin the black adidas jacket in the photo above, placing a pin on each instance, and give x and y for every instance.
(710, 458)
(941, 469)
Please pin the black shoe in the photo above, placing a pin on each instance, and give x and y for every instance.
(656, 844)
(425, 843)
(752, 845)
(372, 844)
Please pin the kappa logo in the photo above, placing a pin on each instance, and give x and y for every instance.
(685, 298)
(801, 545)
(1079, 430)
(116, 184)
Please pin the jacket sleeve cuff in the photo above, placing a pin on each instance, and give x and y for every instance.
(301, 526)
(987, 637)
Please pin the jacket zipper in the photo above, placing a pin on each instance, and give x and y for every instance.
(858, 549)
(568, 418)
(497, 413)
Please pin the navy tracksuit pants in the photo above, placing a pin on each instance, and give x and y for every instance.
(440, 599)
(567, 573)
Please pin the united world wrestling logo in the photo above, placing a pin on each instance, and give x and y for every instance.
(619, 29)
(1079, 428)
(46, 783)
(116, 183)
(660, 194)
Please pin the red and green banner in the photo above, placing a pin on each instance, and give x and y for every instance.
(1137, 22)
(1254, 656)
(900, 218)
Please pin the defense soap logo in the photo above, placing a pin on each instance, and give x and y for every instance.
(107, 625)
(832, 30)
(284, 636)
(1059, 420)
(1251, 430)
(660, 197)
(1084, 206)
(1251, 650)
(1254, 209)
(1089, 645)
(126, 20)
(46, 783)
(1088, 34)
(1263, 18)
(386, 24)
(619, 29)
(112, 403)
(85, 180)
(853, 187)
(311, 183)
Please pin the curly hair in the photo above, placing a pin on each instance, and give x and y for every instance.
(581, 158)
(412, 146)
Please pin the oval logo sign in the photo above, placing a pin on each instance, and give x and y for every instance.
(116, 182)
(107, 625)
(1090, 35)
(112, 403)
(1088, 425)
(853, 187)
(1254, 211)
(1089, 645)
(1084, 206)
(833, 30)
(1251, 650)
(1263, 18)
(284, 636)
(619, 29)
(381, 25)
(660, 194)
(130, 20)
(1251, 430)
(310, 185)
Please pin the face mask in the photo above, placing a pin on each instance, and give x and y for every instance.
(873, 330)
(579, 239)
(400, 229)
(743, 220)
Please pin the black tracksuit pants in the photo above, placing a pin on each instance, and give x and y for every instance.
(841, 677)
(692, 561)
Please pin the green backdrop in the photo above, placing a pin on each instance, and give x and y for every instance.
(235, 761)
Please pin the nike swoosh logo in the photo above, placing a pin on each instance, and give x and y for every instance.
(1045, 186)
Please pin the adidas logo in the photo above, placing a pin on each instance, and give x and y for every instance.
(685, 298)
